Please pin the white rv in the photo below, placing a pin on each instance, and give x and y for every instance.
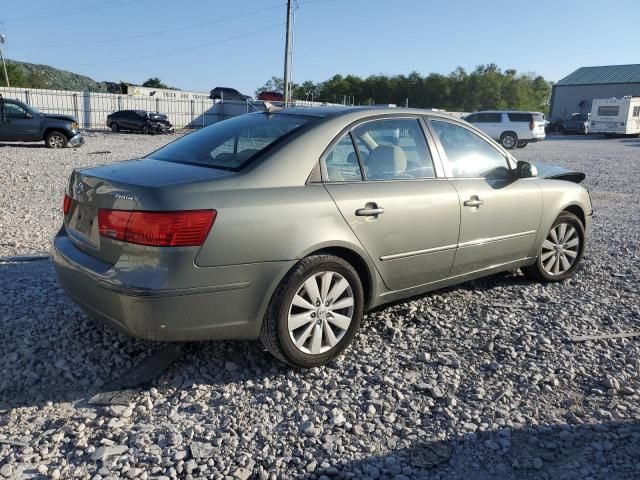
(615, 116)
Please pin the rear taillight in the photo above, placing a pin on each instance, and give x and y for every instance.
(66, 205)
(187, 228)
(531, 126)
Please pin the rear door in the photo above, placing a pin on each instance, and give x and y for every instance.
(383, 178)
(499, 215)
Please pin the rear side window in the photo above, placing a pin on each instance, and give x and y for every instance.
(231, 144)
(521, 117)
(608, 111)
(636, 111)
(342, 162)
(470, 156)
(393, 149)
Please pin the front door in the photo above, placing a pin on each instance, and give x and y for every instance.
(18, 124)
(499, 214)
(386, 188)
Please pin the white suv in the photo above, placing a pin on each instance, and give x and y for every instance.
(511, 129)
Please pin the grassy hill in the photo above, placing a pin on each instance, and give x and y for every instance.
(30, 75)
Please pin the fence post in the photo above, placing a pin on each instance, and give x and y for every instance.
(75, 106)
(222, 107)
(119, 102)
(26, 97)
(158, 105)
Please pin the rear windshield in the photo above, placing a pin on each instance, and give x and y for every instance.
(231, 144)
(579, 116)
(608, 111)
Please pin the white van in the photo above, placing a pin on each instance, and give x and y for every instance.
(615, 116)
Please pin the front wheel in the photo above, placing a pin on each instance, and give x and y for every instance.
(509, 140)
(145, 129)
(314, 313)
(114, 127)
(56, 140)
(560, 252)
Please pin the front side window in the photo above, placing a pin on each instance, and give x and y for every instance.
(12, 110)
(469, 155)
(608, 111)
(393, 149)
(342, 162)
(231, 144)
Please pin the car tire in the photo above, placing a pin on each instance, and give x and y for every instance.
(56, 139)
(522, 143)
(509, 140)
(565, 236)
(145, 129)
(114, 127)
(305, 333)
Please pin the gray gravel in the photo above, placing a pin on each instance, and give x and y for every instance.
(478, 381)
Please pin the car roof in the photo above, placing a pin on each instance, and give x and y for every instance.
(339, 110)
(507, 111)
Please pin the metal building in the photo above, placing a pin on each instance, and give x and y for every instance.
(575, 92)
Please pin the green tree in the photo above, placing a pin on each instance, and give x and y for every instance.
(155, 82)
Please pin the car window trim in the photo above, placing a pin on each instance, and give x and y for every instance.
(479, 133)
(437, 166)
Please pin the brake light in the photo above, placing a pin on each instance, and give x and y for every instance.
(186, 228)
(66, 204)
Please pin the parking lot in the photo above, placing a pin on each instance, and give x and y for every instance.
(480, 381)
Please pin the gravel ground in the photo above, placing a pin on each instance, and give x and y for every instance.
(478, 381)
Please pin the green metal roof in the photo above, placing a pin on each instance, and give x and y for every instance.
(600, 75)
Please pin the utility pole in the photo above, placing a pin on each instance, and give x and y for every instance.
(3, 40)
(288, 56)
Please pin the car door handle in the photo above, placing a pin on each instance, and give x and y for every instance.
(373, 211)
(474, 201)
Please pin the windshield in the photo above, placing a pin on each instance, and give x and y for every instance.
(230, 144)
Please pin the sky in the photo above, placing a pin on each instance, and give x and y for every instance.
(199, 44)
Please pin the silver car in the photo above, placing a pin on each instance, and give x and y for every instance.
(287, 226)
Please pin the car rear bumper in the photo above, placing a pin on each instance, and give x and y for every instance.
(231, 309)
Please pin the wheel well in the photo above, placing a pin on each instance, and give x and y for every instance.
(578, 212)
(508, 131)
(49, 130)
(358, 264)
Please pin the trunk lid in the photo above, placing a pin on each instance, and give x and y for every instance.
(127, 185)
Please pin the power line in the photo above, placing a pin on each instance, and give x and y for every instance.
(74, 11)
(182, 50)
(151, 34)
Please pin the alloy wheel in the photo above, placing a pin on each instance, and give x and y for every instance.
(560, 249)
(321, 312)
(56, 141)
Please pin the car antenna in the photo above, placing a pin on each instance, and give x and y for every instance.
(271, 108)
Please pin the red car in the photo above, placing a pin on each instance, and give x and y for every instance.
(271, 96)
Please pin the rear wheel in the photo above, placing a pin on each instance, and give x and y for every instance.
(56, 140)
(522, 143)
(314, 313)
(560, 252)
(114, 127)
(509, 140)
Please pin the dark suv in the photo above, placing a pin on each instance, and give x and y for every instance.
(20, 122)
(139, 121)
(226, 93)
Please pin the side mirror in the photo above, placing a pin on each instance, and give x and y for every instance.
(28, 115)
(525, 170)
